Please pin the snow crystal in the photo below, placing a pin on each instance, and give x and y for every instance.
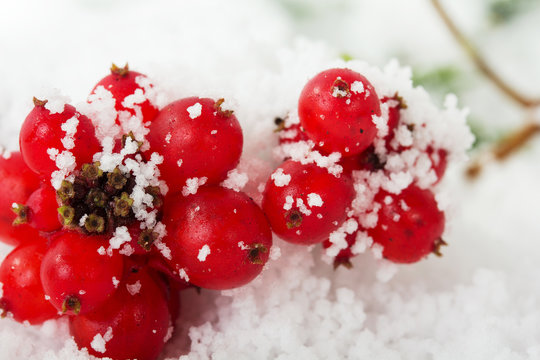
(357, 87)
(203, 253)
(99, 342)
(302, 207)
(280, 178)
(121, 236)
(183, 275)
(127, 250)
(314, 199)
(168, 138)
(56, 102)
(179, 162)
(70, 128)
(134, 289)
(289, 201)
(115, 281)
(192, 185)
(235, 180)
(134, 99)
(194, 110)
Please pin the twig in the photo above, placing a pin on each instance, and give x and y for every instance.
(481, 63)
(504, 148)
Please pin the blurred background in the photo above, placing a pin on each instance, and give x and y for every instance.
(487, 52)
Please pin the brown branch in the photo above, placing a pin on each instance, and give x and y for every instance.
(504, 148)
(481, 63)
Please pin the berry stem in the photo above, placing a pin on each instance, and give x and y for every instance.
(504, 148)
(509, 145)
(481, 63)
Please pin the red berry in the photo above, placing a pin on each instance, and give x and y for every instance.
(132, 324)
(304, 203)
(410, 225)
(197, 139)
(18, 182)
(219, 238)
(78, 278)
(123, 82)
(23, 294)
(336, 110)
(42, 131)
(41, 209)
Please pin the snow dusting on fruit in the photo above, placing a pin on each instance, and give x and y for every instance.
(100, 341)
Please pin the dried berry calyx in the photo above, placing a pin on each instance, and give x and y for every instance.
(294, 219)
(22, 214)
(255, 252)
(220, 110)
(120, 71)
(38, 102)
(97, 201)
(146, 239)
(71, 303)
(437, 246)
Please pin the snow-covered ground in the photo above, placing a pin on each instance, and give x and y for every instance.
(480, 301)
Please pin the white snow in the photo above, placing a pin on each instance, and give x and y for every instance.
(203, 253)
(100, 341)
(314, 199)
(479, 301)
(134, 288)
(280, 178)
(195, 110)
(192, 185)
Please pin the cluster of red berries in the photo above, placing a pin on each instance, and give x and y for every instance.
(306, 200)
(109, 225)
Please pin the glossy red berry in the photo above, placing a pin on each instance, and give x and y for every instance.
(196, 139)
(410, 225)
(132, 324)
(75, 274)
(336, 110)
(219, 238)
(23, 295)
(18, 182)
(41, 209)
(43, 132)
(123, 83)
(304, 203)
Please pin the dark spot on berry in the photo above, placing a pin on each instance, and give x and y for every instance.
(361, 131)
